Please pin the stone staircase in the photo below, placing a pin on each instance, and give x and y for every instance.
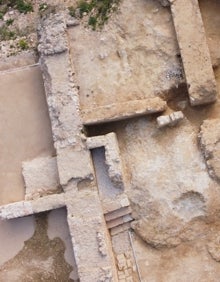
(119, 219)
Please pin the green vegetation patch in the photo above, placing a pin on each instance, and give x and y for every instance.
(97, 10)
(9, 22)
(23, 6)
(23, 45)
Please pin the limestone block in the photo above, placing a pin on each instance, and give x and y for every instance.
(112, 156)
(88, 233)
(209, 138)
(62, 100)
(14, 210)
(169, 120)
(110, 205)
(113, 160)
(40, 177)
(25, 208)
(52, 35)
(194, 51)
(48, 203)
(122, 111)
(96, 142)
(74, 165)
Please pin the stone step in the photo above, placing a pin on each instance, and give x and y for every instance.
(120, 228)
(110, 205)
(119, 221)
(117, 213)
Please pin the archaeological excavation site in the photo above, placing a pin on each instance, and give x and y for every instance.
(110, 141)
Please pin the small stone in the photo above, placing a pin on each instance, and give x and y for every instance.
(169, 120)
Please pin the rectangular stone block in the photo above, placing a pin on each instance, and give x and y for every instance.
(89, 235)
(25, 208)
(194, 51)
(122, 111)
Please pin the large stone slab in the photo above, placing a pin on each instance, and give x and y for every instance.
(115, 112)
(91, 242)
(194, 51)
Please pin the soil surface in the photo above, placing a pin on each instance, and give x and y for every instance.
(25, 127)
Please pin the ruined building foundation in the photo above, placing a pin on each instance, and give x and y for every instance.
(138, 178)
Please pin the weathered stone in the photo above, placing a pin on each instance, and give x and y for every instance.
(209, 139)
(169, 120)
(85, 223)
(24, 208)
(109, 205)
(70, 21)
(194, 51)
(52, 35)
(62, 100)
(122, 111)
(112, 156)
(15, 210)
(74, 165)
(40, 177)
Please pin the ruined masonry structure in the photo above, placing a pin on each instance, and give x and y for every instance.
(96, 221)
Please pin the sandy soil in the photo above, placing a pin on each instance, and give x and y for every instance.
(25, 128)
(131, 58)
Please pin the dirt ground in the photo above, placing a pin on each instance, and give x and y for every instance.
(135, 56)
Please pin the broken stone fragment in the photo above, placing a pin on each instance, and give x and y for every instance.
(52, 33)
(169, 120)
(70, 21)
(209, 140)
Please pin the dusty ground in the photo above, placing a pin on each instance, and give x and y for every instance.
(174, 200)
(126, 61)
(25, 127)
